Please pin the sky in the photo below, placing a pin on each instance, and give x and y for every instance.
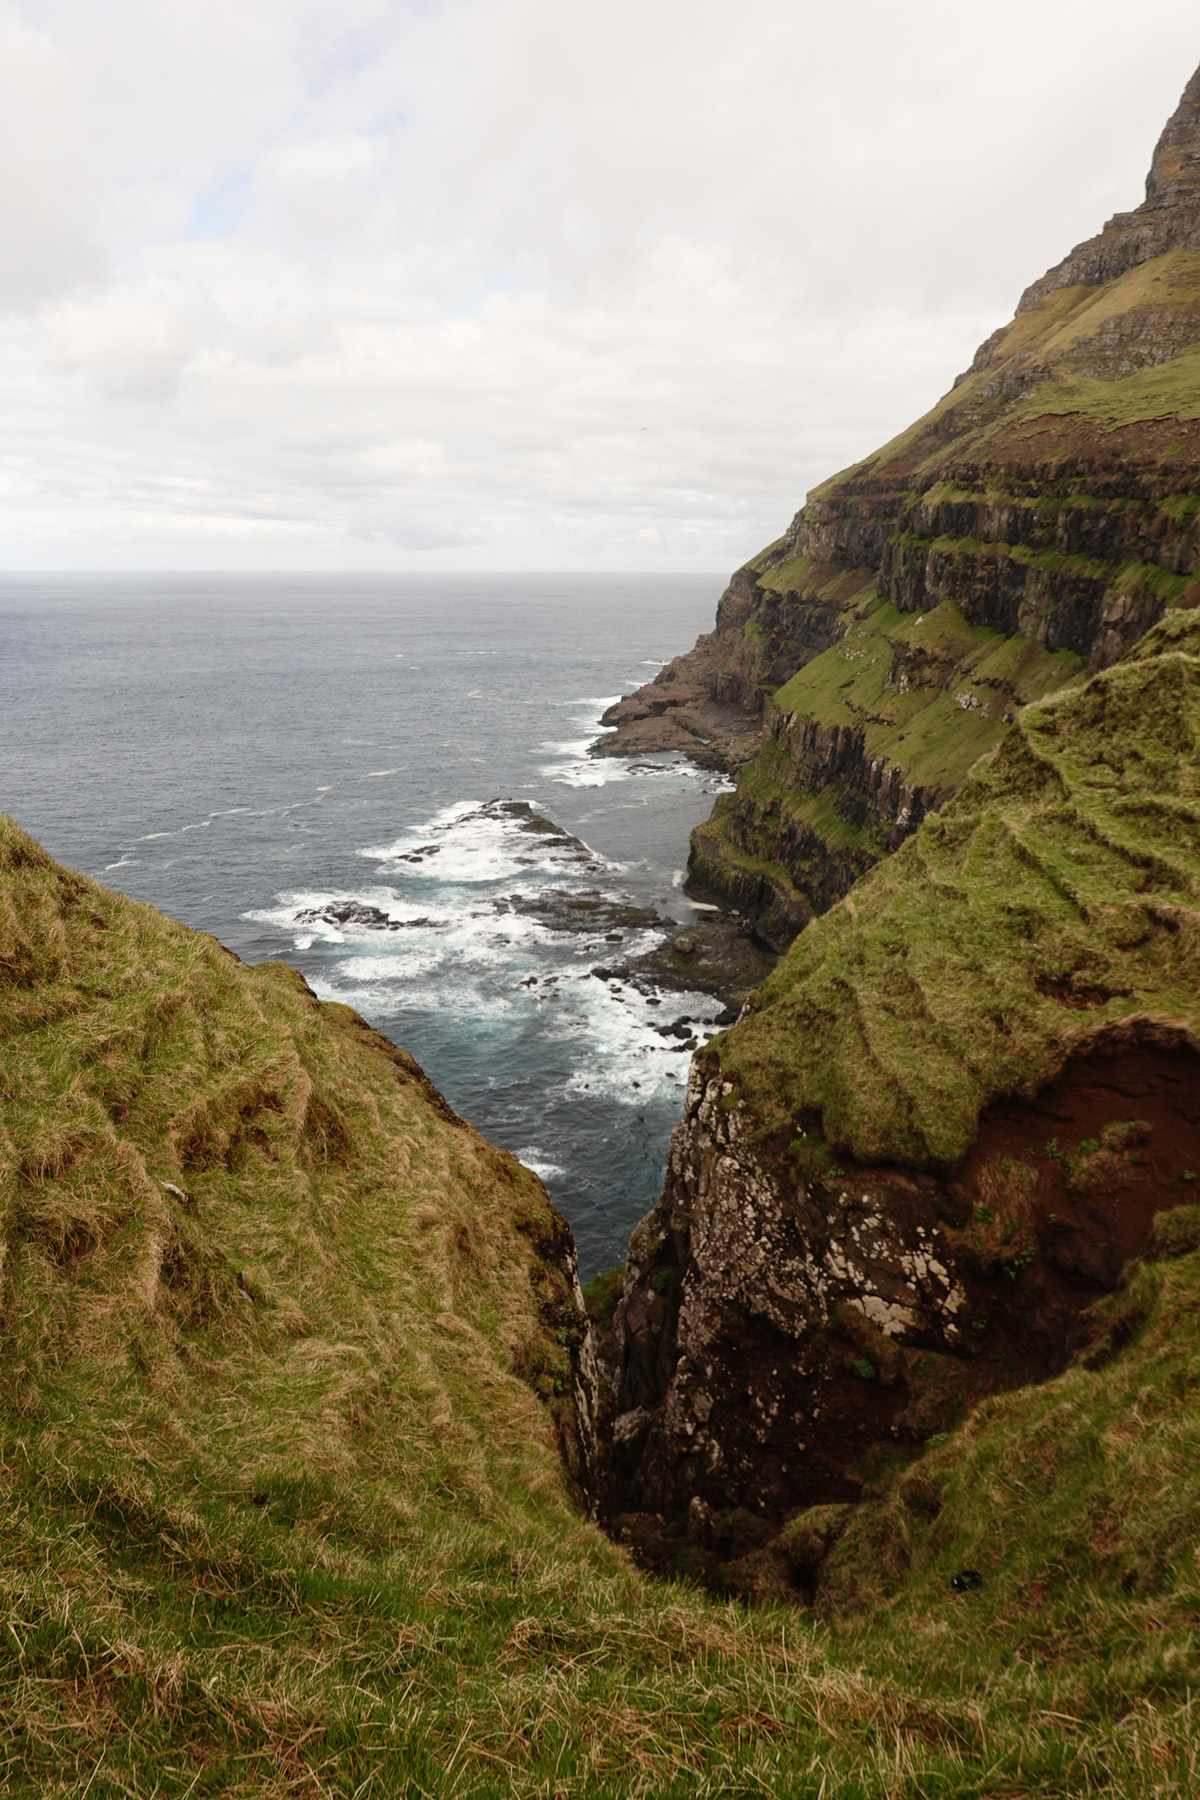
(519, 284)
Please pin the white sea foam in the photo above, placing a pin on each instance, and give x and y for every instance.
(580, 770)
(535, 1159)
(226, 812)
(472, 842)
(284, 915)
(407, 966)
(446, 933)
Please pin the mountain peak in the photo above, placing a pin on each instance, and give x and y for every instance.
(1168, 218)
(1174, 178)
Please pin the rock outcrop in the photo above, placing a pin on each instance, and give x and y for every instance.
(939, 1134)
(1028, 529)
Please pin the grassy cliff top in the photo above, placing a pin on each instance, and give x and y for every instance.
(1055, 896)
(242, 1236)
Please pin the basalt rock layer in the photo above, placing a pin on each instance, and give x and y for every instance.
(1029, 528)
(939, 1134)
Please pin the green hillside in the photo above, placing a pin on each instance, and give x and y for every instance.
(1035, 522)
(1054, 897)
(284, 1511)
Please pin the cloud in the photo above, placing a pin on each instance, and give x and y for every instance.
(508, 283)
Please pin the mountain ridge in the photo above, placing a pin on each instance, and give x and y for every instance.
(1048, 499)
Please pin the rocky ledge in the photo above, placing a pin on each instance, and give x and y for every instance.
(672, 713)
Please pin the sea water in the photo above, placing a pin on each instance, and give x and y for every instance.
(348, 773)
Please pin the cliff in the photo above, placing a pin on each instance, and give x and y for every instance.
(1031, 526)
(942, 1131)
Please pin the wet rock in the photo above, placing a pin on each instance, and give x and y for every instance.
(724, 963)
(522, 815)
(588, 912)
(355, 913)
(683, 716)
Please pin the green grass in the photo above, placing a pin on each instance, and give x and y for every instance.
(1079, 1504)
(925, 730)
(283, 1507)
(929, 695)
(1070, 856)
(1169, 390)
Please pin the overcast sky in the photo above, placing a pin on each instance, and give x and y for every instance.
(519, 283)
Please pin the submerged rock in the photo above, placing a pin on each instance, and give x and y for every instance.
(354, 912)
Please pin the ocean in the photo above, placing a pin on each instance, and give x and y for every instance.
(359, 775)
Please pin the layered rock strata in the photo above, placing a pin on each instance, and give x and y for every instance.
(1043, 515)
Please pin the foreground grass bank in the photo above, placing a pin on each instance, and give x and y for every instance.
(290, 1362)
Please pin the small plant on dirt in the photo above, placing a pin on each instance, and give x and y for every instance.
(865, 1370)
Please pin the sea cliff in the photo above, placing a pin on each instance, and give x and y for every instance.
(1029, 528)
(942, 1130)
(936, 1147)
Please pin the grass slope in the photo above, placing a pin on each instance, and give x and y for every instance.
(1066, 867)
(282, 1509)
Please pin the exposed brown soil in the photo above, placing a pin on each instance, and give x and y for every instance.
(1094, 1212)
(1054, 1200)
